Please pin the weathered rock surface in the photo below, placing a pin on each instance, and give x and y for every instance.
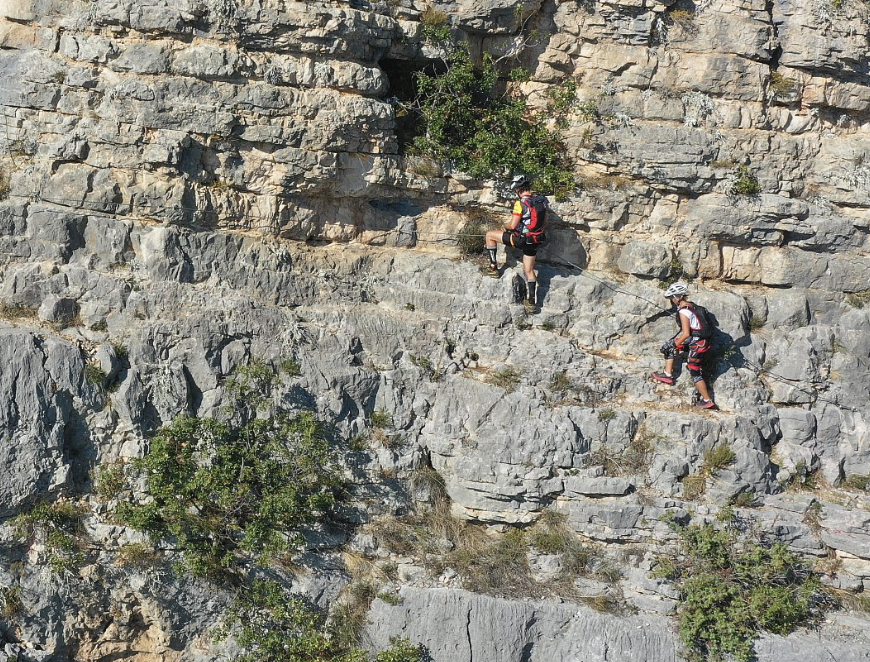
(476, 628)
(158, 161)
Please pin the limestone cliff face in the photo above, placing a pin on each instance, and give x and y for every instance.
(160, 161)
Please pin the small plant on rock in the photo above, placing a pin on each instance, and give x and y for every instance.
(58, 526)
(436, 26)
(745, 182)
(858, 299)
(682, 17)
(381, 419)
(290, 367)
(94, 374)
(5, 187)
(17, 311)
(12, 602)
(506, 378)
(471, 239)
(718, 457)
(110, 480)
(781, 85)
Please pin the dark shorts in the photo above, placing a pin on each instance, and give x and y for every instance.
(528, 248)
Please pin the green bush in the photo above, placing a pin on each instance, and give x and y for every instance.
(463, 120)
(226, 491)
(59, 526)
(718, 457)
(290, 367)
(271, 625)
(401, 650)
(732, 588)
(781, 85)
(745, 183)
(436, 26)
(563, 96)
(109, 481)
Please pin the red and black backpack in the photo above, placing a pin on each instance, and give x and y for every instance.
(536, 221)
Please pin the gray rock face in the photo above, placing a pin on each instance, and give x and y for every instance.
(476, 628)
(161, 163)
(40, 387)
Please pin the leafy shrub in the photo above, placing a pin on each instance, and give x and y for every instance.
(271, 625)
(519, 75)
(436, 27)
(110, 480)
(588, 111)
(745, 182)
(401, 650)
(563, 96)
(464, 121)
(94, 374)
(290, 367)
(58, 526)
(223, 491)
(732, 588)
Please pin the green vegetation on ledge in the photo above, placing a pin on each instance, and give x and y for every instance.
(271, 625)
(463, 119)
(226, 491)
(733, 587)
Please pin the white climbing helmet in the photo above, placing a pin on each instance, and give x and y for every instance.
(519, 182)
(677, 290)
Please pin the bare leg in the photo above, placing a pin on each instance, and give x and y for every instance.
(493, 237)
(702, 389)
(529, 268)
